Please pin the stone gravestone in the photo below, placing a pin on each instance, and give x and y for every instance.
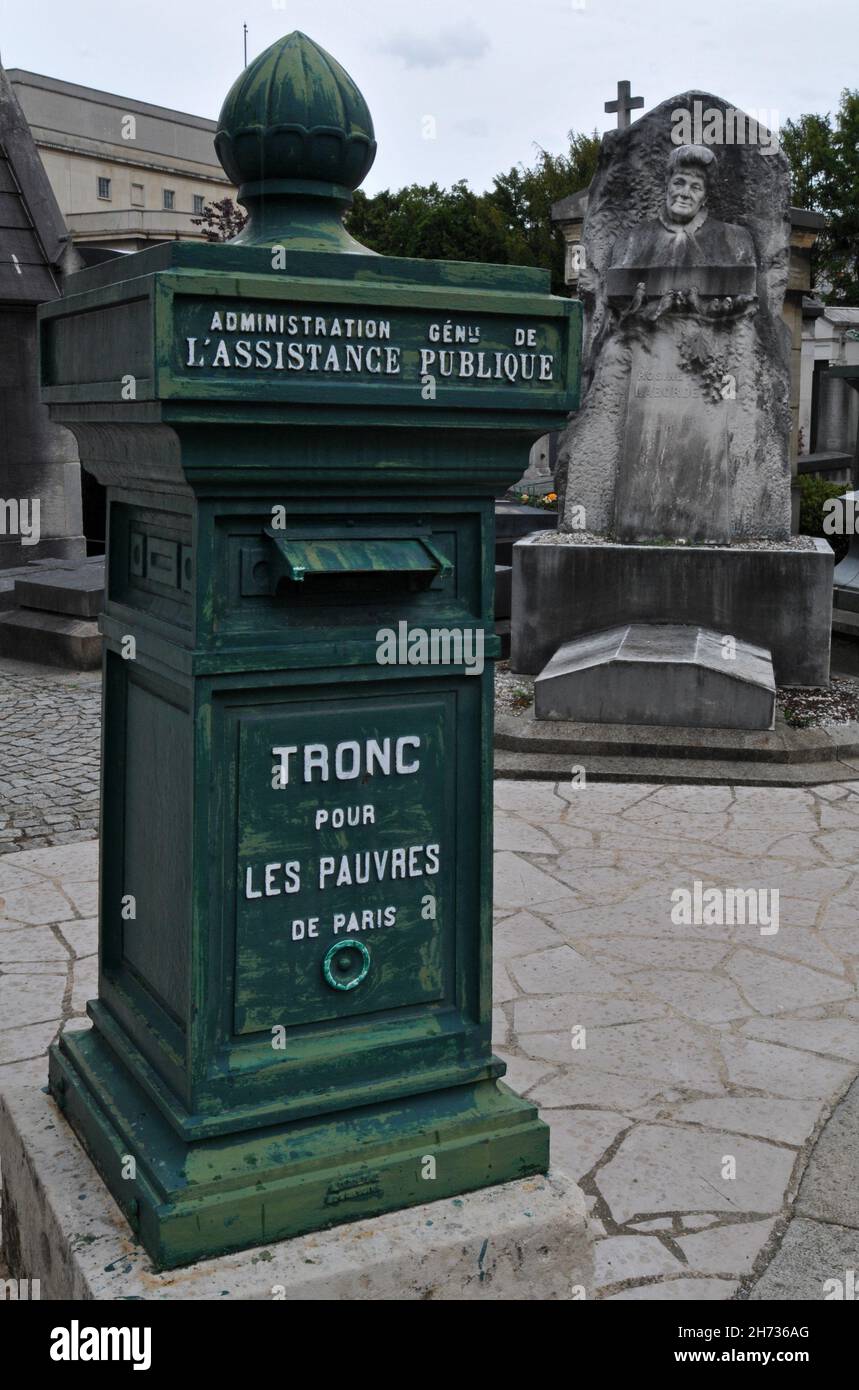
(684, 431)
(674, 476)
(293, 1022)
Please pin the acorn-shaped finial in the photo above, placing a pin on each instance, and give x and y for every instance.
(295, 122)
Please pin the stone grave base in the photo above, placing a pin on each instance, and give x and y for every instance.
(658, 673)
(523, 1240)
(529, 748)
(779, 598)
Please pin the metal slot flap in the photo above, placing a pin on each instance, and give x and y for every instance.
(415, 557)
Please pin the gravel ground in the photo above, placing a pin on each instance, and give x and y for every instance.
(554, 537)
(513, 694)
(821, 709)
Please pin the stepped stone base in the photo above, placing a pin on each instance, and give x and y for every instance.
(659, 673)
(547, 749)
(48, 611)
(524, 1240)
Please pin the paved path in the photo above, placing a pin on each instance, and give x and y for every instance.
(686, 1070)
(709, 1050)
(49, 755)
(820, 1249)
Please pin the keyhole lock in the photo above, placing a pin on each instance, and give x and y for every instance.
(346, 964)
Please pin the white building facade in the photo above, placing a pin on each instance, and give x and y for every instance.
(126, 174)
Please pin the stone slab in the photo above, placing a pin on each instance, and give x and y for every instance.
(525, 1240)
(674, 469)
(658, 673)
(778, 598)
(53, 638)
(78, 593)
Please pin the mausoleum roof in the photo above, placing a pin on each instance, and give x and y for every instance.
(32, 231)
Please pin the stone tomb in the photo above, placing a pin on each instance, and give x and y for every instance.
(779, 598)
(674, 477)
(648, 669)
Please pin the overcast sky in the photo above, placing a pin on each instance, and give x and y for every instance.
(497, 76)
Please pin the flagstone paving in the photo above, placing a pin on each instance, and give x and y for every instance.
(686, 1070)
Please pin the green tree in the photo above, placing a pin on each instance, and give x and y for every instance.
(221, 221)
(428, 222)
(508, 225)
(824, 160)
(524, 198)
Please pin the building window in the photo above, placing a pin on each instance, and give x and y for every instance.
(169, 199)
(199, 200)
(137, 198)
(104, 188)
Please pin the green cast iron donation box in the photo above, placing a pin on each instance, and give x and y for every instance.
(301, 442)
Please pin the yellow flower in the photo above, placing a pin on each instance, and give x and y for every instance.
(551, 497)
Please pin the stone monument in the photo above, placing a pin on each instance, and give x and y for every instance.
(40, 487)
(674, 477)
(293, 1022)
(685, 426)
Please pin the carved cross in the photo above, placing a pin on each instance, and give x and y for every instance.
(624, 104)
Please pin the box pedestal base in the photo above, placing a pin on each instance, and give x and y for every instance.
(190, 1200)
(527, 1239)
